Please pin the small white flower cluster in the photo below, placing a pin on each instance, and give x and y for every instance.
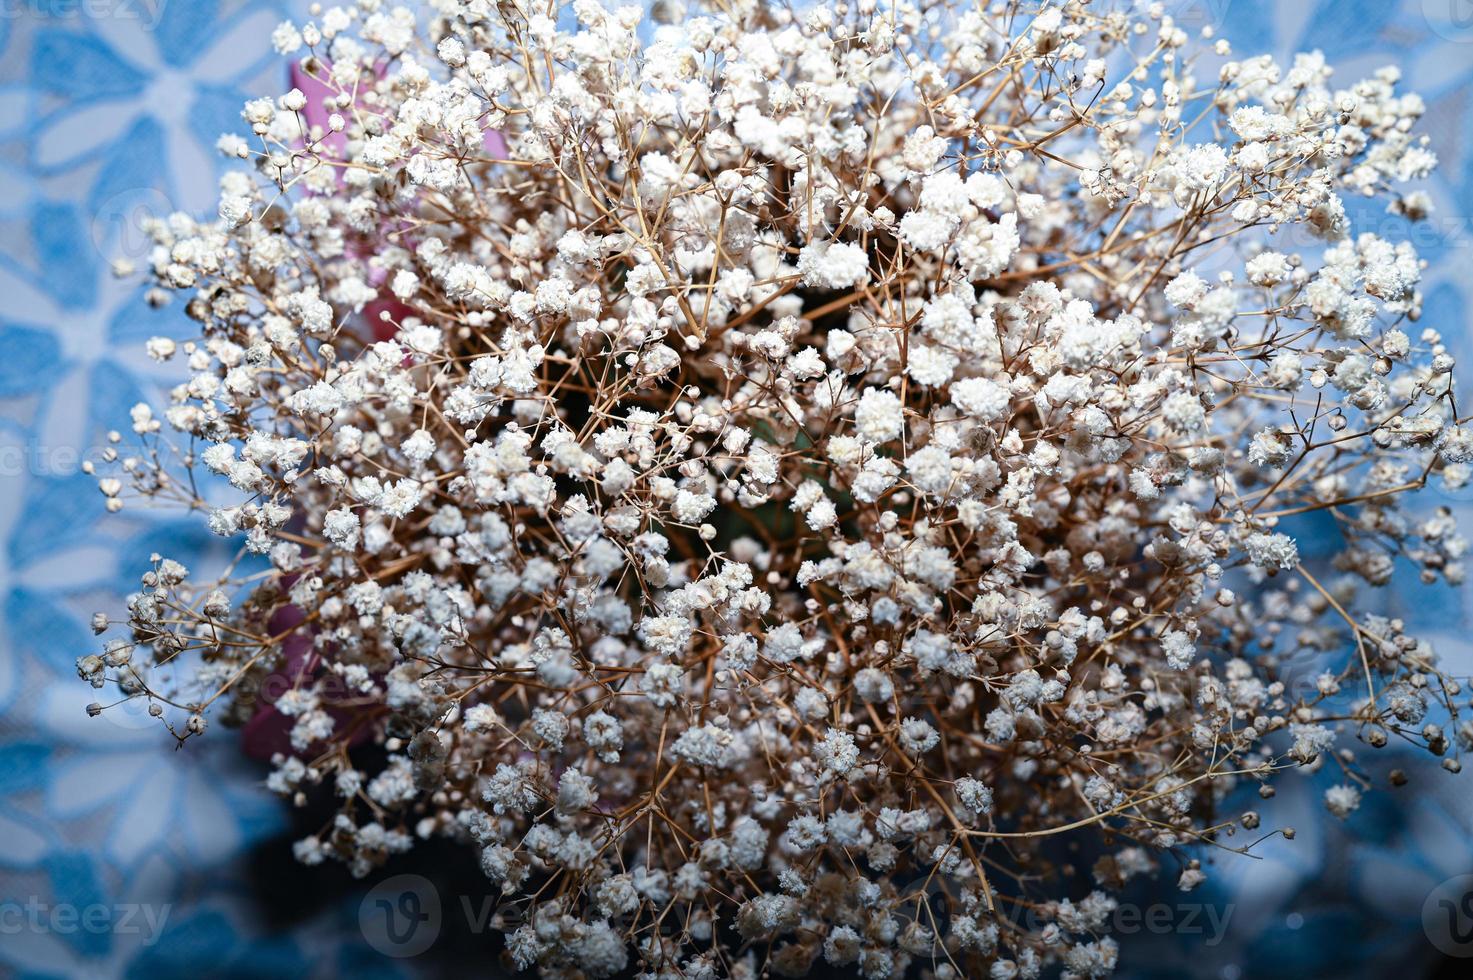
(737, 477)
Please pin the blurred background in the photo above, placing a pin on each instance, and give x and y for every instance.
(122, 857)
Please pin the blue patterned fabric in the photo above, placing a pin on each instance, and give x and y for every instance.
(104, 118)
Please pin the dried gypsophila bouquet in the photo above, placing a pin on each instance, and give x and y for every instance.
(802, 465)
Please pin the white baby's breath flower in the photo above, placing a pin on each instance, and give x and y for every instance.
(730, 468)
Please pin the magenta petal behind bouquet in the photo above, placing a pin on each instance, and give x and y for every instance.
(385, 313)
(818, 489)
(268, 731)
